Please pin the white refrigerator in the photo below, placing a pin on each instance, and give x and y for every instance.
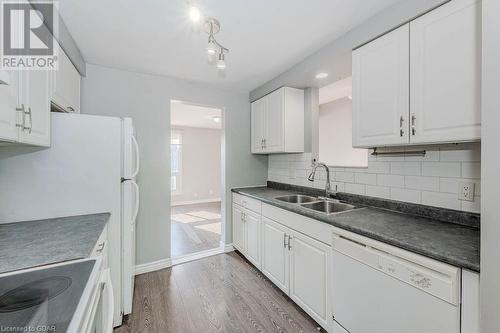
(90, 168)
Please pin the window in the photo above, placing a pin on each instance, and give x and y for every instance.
(175, 161)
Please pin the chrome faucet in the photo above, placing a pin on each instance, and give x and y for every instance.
(313, 173)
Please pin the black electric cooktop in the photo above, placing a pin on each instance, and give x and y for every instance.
(42, 300)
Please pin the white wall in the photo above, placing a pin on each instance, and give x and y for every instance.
(335, 135)
(146, 98)
(201, 165)
(490, 216)
(431, 180)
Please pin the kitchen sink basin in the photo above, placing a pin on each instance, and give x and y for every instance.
(328, 207)
(297, 198)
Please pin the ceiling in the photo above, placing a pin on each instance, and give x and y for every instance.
(190, 115)
(265, 37)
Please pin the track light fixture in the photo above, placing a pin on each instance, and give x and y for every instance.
(212, 27)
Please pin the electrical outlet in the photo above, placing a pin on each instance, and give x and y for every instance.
(466, 191)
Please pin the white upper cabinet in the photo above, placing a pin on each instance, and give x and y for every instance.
(258, 124)
(420, 84)
(25, 108)
(445, 72)
(381, 90)
(66, 84)
(35, 99)
(277, 124)
(9, 102)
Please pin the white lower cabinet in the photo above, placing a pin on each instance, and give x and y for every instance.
(275, 253)
(298, 265)
(246, 233)
(309, 276)
(252, 236)
(238, 228)
(470, 302)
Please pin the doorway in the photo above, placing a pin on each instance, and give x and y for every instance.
(196, 180)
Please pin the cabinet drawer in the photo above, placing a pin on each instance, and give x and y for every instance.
(248, 203)
(312, 228)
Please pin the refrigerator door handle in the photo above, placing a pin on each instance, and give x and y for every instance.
(137, 159)
(136, 208)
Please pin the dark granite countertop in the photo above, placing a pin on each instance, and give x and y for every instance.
(42, 242)
(455, 244)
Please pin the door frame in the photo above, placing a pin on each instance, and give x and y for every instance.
(223, 247)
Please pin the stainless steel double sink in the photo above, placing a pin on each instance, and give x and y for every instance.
(316, 204)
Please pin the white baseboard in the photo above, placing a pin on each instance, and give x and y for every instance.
(166, 263)
(192, 202)
(152, 266)
(196, 256)
(228, 248)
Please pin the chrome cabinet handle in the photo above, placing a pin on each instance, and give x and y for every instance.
(265, 143)
(30, 114)
(401, 132)
(401, 122)
(413, 121)
(289, 243)
(23, 124)
(100, 248)
(284, 241)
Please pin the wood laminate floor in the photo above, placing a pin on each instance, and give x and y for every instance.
(222, 293)
(195, 228)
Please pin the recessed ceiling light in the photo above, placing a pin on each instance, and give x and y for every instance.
(321, 75)
(350, 97)
(217, 119)
(194, 14)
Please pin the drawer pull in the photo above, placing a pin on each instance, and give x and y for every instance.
(100, 248)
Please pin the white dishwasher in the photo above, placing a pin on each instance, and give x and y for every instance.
(378, 288)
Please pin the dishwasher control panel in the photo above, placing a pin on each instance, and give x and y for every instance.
(438, 279)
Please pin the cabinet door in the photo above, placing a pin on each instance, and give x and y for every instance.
(309, 276)
(445, 63)
(381, 90)
(35, 95)
(275, 260)
(258, 125)
(9, 101)
(252, 237)
(238, 229)
(470, 302)
(274, 120)
(66, 84)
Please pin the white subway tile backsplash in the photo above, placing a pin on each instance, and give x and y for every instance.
(441, 169)
(431, 180)
(379, 167)
(444, 200)
(472, 206)
(342, 176)
(471, 169)
(422, 183)
(378, 191)
(406, 168)
(355, 188)
(391, 180)
(365, 178)
(463, 155)
(405, 195)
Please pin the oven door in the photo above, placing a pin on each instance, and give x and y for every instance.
(101, 311)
